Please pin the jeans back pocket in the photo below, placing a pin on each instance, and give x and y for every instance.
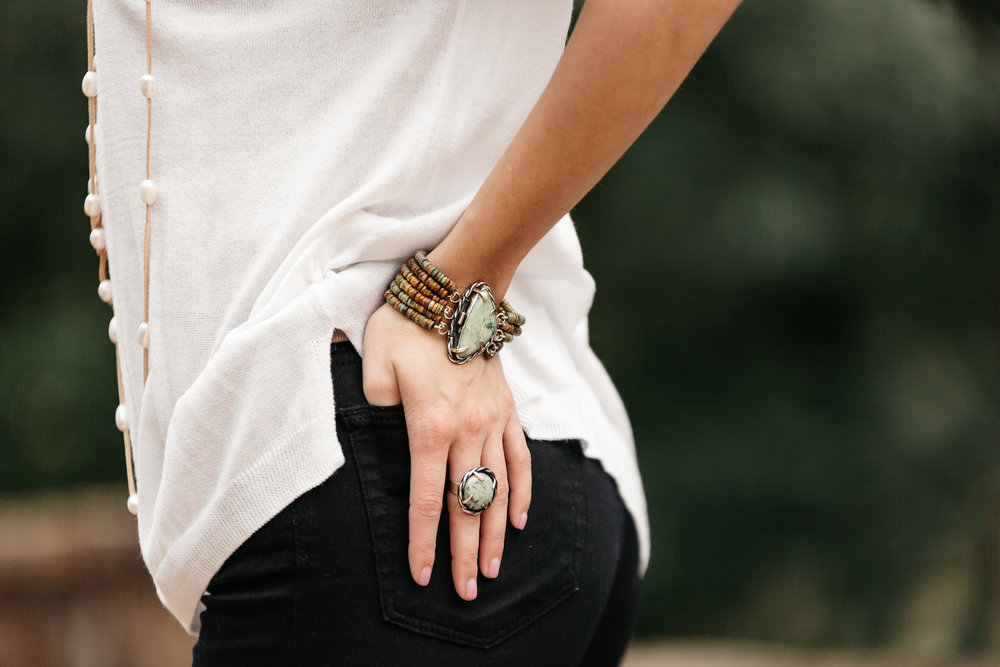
(540, 566)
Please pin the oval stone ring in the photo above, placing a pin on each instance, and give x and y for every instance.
(476, 490)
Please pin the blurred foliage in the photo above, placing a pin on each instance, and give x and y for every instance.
(799, 303)
(57, 372)
(799, 306)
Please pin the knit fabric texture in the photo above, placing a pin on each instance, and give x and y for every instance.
(302, 150)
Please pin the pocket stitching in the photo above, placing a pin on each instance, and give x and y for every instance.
(377, 500)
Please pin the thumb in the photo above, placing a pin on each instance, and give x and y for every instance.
(379, 381)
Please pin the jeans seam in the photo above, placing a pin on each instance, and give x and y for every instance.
(348, 421)
(296, 593)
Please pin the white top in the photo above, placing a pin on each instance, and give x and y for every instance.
(301, 151)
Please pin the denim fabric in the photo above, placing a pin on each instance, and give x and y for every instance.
(326, 582)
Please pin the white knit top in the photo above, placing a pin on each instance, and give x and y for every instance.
(302, 150)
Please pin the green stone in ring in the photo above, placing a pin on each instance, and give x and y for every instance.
(477, 490)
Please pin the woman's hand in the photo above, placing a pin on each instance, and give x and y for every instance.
(457, 418)
(621, 65)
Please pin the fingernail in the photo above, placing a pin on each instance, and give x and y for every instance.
(470, 590)
(425, 576)
(523, 521)
(494, 568)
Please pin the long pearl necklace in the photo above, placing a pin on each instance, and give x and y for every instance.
(92, 207)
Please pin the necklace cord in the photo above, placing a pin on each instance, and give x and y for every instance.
(97, 232)
(146, 230)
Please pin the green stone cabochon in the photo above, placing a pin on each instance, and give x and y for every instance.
(477, 493)
(480, 323)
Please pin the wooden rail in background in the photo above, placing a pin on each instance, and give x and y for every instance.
(74, 591)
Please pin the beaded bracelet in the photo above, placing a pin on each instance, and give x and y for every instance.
(472, 321)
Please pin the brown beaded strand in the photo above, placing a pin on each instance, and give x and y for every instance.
(429, 304)
(444, 291)
(411, 303)
(422, 320)
(420, 256)
(424, 294)
(407, 275)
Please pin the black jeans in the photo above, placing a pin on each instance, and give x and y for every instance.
(326, 581)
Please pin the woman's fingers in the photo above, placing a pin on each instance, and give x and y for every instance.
(457, 418)
(493, 522)
(518, 460)
(477, 540)
(463, 527)
(379, 381)
(428, 467)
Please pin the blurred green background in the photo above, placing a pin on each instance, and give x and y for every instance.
(798, 301)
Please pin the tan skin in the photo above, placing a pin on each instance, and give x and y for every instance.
(624, 61)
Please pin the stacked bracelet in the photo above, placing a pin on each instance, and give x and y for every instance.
(473, 322)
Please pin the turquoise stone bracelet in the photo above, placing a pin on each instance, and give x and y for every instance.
(472, 331)
(473, 322)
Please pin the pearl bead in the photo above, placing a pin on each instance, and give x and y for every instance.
(88, 134)
(97, 239)
(104, 291)
(121, 418)
(92, 205)
(113, 330)
(89, 84)
(148, 192)
(146, 85)
(133, 504)
(143, 335)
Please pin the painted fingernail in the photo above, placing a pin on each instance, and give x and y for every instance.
(470, 590)
(494, 568)
(523, 521)
(425, 576)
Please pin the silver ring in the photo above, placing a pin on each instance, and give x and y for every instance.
(476, 491)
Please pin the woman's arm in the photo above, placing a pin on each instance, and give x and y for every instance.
(623, 62)
(625, 59)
